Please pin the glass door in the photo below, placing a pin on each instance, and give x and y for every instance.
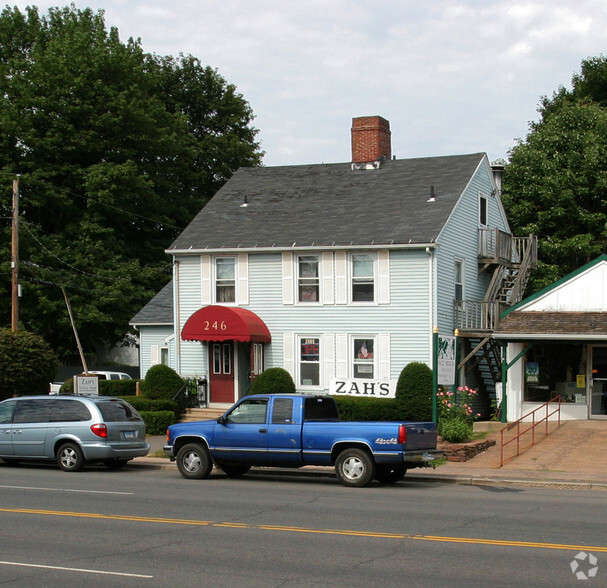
(598, 399)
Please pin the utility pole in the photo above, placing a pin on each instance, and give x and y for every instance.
(15, 258)
(69, 312)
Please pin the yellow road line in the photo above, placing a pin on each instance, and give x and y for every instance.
(289, 529)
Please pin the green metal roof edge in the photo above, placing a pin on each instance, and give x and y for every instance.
(561, 281)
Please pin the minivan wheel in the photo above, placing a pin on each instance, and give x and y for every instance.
(70, 458)
(194, 462)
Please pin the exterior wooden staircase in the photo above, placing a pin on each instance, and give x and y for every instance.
(510, 259)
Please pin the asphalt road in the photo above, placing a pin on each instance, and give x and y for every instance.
(143, 527)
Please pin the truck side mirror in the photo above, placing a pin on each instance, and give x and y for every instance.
(222, 420)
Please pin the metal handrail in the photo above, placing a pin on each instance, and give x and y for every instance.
(534, 424)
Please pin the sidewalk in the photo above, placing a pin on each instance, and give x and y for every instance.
(573, 456)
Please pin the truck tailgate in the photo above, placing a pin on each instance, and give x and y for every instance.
(421, 436)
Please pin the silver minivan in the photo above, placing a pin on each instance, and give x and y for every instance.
(72, 430)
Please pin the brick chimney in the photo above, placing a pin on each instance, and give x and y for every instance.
(370, 139)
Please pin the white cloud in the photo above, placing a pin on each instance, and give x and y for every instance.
(452, 76)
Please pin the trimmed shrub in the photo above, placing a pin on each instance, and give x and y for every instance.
(161, 381)
(106, 387)
(414, 391)
(143, 404)
(156, 422)
(273, 381)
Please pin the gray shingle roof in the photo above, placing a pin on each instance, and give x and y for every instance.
(331, 204)
(158, 311)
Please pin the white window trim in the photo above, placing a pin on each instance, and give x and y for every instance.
(351, 350)
(459, 260)
(236, 259)
(375, 258)
(321, 361)
(482, 196)
(318, 302)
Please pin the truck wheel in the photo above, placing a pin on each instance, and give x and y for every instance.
(70, 458)
(390, 474)
(355, 467)
(194, 462)
(234, 471)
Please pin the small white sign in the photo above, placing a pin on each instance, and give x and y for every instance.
(446, 361)
(363, 388)
(86, 384)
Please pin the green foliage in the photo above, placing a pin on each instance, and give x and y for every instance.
(144, 404)
(106, 387)
(456, 430)
(161, 381)
(555, 184)
(414, 391)
(273, 381)
(156, 422)
(27, 364)
(369, 409)
(117, 151)
(455, 414)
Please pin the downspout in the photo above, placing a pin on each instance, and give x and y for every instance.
(433, 303)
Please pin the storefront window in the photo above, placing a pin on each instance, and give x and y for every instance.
(555, 368)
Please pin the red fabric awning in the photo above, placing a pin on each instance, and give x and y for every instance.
(224, 323)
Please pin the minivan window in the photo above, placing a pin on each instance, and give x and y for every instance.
(116, 411)
(6, 412)
(32, 411)
(69, 411)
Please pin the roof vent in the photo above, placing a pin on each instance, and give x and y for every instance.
(432, 196)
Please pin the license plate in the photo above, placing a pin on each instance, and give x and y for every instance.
(129, 434)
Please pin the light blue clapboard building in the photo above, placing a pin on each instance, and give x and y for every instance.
(339, 273)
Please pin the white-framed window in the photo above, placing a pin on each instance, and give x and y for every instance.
(458, 278)
(164, 355)
(483, 211)
(363, 277)
(225, 279)
(309, 361)
(363, 357)
(308, 278)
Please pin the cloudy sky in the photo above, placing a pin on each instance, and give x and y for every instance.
(451, 76)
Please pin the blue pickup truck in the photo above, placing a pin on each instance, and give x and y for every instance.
(293, 430)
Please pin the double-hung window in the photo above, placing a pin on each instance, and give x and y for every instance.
(225, 279)
(363, 360)
(308, 278)
(459, 279)
(309, 361)
(363, 278)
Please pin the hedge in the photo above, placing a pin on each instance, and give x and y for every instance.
(157, 421)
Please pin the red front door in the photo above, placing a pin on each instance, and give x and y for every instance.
(221, 362)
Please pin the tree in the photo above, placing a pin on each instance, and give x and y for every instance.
(117, 151)
(555, 184)
(27, 364)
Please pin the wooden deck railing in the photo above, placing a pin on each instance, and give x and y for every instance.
(555, 404)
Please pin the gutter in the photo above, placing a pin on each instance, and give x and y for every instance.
(294, 247)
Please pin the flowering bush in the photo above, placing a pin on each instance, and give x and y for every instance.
(455, 413)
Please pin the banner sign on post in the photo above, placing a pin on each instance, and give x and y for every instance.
(446, 361)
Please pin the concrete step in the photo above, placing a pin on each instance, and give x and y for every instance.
(201, 414)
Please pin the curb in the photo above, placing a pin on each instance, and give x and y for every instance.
(465, 480)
